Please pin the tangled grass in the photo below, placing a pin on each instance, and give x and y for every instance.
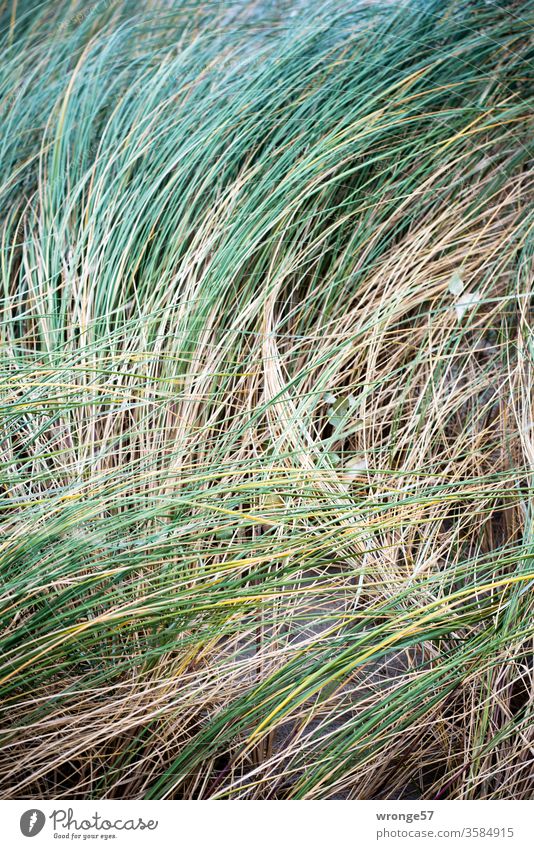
(267, 363)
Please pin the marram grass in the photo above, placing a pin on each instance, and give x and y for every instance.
(267, 361)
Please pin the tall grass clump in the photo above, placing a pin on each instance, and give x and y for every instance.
(267, 369)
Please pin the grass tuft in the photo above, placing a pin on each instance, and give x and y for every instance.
(266, 407)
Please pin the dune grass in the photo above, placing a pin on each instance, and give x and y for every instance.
(267, 362)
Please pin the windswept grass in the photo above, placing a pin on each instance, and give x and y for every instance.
(267, 368)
